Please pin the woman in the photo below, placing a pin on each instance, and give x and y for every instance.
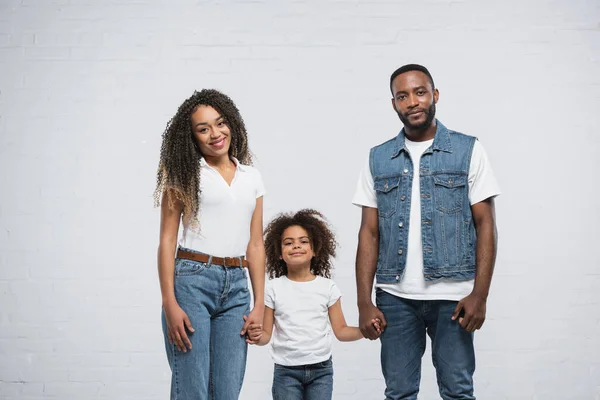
(205, 181)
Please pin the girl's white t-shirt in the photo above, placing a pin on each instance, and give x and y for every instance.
(302, 332)
(225, 212)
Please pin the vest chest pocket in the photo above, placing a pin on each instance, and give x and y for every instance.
(387, 195)
(449, 190)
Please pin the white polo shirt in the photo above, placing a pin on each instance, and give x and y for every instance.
(225, 211)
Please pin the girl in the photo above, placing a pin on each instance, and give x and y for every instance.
(302, 302)
(205, 181)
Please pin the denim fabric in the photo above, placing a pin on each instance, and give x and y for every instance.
(448, 231)
(403, 343)
(303, 382)
(215, 299)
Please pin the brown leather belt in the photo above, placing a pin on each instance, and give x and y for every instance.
(224, 261)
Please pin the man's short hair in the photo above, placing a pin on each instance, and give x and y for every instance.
(411, 67)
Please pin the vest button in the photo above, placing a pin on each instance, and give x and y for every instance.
(400, 224)
(397, 277)
(400, 251)
(403, 198)
(405, 171)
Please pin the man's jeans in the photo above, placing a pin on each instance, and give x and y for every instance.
(303, 382)
(403, 344)
(215, 299)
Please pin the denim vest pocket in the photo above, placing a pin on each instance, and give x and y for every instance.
(185, 267)
(387, 195)
(449, 190)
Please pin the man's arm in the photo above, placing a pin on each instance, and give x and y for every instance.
(366, 265)
(474, 304)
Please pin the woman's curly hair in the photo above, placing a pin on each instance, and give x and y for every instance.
(179, 166)
(321, 238)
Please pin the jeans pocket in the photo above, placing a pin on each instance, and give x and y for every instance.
(383, 299)
(185, 267)
(325, 364)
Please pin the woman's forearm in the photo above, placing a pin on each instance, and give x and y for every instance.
(166, 268)
(256, 270)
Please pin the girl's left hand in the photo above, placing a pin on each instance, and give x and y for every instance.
(377, 324)
(253, 332)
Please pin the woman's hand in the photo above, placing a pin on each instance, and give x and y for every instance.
(177, 322)
(254, 332)
(251, 322)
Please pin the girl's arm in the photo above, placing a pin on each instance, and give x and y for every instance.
(342, 331)
(255, 254)
(177, 319)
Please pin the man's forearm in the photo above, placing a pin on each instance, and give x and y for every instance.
(487, 239)
(366, 265)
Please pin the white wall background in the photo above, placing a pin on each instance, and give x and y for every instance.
(87, 86)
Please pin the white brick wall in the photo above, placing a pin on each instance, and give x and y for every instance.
(87, 86)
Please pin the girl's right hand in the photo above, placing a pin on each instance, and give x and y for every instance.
(177, 322)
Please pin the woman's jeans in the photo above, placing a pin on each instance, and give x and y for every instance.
(215, 299)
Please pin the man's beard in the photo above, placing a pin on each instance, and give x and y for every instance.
(430, 113)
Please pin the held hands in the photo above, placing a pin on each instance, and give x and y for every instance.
(372, 322)
(177, 323)
(377, 325)
(253, 333)
(253, 325)
(470, 312)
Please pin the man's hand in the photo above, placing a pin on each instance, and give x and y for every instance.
(368, 314)
(474, 312)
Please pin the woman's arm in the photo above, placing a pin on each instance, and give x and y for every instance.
(177, 319)
(169, 227)
(255, 254)
(341, 330)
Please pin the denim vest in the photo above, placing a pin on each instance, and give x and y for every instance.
(447, 228)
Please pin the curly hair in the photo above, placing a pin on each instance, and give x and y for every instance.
(179, 166)
(321, 238)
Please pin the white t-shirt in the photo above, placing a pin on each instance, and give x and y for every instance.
(302, 332)
(482, 185)
(225, 212)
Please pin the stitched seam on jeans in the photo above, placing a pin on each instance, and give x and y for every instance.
(175, 370)
(211, 386)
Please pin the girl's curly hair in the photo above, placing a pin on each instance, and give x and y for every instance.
(179, 166)
(321, 238)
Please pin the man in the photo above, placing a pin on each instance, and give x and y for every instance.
(428, 234)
